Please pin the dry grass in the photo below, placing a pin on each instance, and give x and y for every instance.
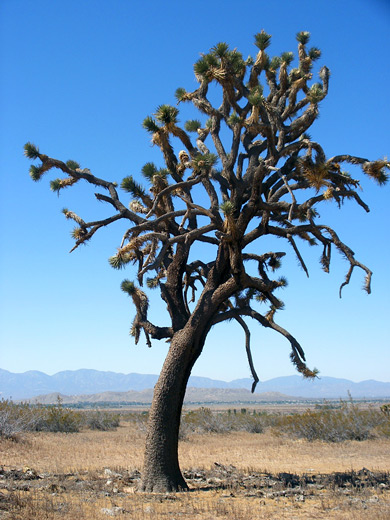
(67, 452)
(279, 454)
(62, 452)
(75, 485)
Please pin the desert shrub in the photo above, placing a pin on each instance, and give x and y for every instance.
(204, 420)
(58, 418)
(330, 422)
(385, 409)
(17, 418)
(384, 428)
(103, 421)
(347, 422)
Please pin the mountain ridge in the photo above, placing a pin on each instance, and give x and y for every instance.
(34, 383)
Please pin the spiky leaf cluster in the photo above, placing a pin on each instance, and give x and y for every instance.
(128, 287)
(274, 63)
(220, 49)
(377, 170)
(167, 114)
(131, 186)
(78, 233)
(219, 64)
(152, 283)
(205, 64)
(255, 97)
(282, 281)
(303, 37)
(316, 93)
(314, 53)
(192, 125)
(227, 208)
(149, 170)
(150, 125)
(204, 163)
(73, 165)
(180, 93)
(274, 262)
(56, 185)
(35, 172)
(31, 151)
(262, 40)
(233, 119)
(287, 57)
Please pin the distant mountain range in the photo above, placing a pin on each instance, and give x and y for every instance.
(87, 382)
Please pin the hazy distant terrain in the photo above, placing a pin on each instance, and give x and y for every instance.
(194, 396)
(87, 382)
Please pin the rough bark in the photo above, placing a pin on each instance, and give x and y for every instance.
(161, 472)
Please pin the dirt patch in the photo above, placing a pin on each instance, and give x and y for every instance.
(214, 493)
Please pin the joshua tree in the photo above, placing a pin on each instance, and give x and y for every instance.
(250, 171)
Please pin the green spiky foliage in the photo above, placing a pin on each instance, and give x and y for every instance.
(249, 61)
(35, 172)
(287, 57)
(56, 185)
(131, 186)
(314, 53)
(59, 184)
(303, 37)
(219, 64)
(274, 63)
(236, 62)
(152, 283)
(167, 114)
(193, 125)
(203, 66)
(256, 96)
(120, 260)
(150, 125)
(262, 40)
(180, 94)
(227, 208)
(73, 165)
(204, 162)
(149, 170)
(233, 119)
(220, 50)
(316, 93)
(31, 151)
(128, 287)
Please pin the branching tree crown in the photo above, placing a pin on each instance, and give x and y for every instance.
(261, 174)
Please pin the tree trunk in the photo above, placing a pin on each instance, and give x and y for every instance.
(161, 472)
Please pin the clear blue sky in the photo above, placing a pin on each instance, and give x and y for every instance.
(77, 79)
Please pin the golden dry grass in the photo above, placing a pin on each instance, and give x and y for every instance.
(88, 450)
(86, 454)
